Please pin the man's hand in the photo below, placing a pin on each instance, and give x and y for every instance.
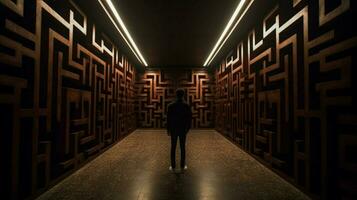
(168, 133)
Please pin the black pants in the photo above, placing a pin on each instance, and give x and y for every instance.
(182, 148)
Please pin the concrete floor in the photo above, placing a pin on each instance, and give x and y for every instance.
(137, 168)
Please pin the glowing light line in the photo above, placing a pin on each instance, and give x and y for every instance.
(226, 29)
(133, 47)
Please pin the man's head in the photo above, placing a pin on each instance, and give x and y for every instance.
(180, 93)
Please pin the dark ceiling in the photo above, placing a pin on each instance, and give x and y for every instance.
(175, 32)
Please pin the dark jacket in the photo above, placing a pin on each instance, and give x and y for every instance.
(178, 117)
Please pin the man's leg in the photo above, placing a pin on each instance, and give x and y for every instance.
(183, 150)
(173, 150)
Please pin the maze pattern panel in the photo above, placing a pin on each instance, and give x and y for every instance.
(156, 89)
(286, 94)
(67, 93)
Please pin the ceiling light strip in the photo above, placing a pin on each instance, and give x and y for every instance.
(116, 26)
(229, 34)
(228, 26)
(122, 25)
(132, 44)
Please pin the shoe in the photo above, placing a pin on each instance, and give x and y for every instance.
(184, 168)
(171, 168)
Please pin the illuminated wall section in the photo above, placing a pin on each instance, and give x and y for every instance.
(286, 94)
(67, 93)
(156, 89)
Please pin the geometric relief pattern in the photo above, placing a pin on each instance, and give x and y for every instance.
(67, 93)
(156, 90)
(286, 94)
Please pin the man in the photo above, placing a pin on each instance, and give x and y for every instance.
(178, 124)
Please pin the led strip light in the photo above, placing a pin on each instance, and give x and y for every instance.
(127, 37)
(219, 44)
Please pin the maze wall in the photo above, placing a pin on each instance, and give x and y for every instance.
(156, 89)
(287, 95)
(67, 93)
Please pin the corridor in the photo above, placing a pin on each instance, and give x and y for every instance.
(266, 88)
(137, 168)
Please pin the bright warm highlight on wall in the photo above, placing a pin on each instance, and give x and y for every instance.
(114, 12)
(224, 36)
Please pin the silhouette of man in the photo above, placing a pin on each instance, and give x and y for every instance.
(178, 124)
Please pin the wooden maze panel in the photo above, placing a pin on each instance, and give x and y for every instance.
(156, 89)
(286, 94)
(66, 93)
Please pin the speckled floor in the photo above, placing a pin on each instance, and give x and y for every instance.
(137, 168)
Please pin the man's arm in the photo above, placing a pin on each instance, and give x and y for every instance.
(168, 121)
(189, 118)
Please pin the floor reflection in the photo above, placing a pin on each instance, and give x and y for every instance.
(206, 188)
(137, 168)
